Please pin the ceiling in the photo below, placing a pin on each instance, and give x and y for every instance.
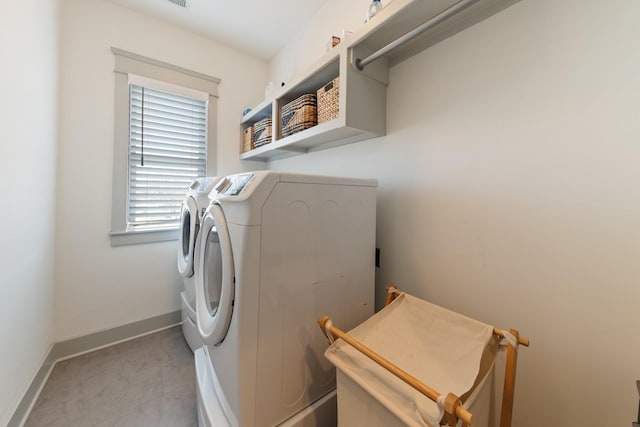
(258, 27)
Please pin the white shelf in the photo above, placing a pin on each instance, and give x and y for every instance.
(362, 104)
(259, 112)
(325, 135)
(401, 16)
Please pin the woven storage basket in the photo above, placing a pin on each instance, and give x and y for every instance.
(328, 101)
(247, 139)
(299, 114)
(262, 132)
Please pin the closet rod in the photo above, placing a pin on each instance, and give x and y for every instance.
(439, 18)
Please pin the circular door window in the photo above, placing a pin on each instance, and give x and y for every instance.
(215, 287)
(186, 232)
(189, 224)
(212, 271)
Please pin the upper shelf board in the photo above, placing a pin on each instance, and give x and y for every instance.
(402, 16)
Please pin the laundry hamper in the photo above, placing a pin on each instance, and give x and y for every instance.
(453, 354)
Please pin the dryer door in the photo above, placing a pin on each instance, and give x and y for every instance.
(215, 286)
(189, 225)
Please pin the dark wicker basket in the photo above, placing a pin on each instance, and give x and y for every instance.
(262, 132)
(299, 114)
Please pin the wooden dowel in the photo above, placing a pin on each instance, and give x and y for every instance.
(460, 412)
(392, 293)
(521, 341)
(509, 383)
(322, 322)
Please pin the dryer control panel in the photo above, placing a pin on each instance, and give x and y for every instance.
(232, 185)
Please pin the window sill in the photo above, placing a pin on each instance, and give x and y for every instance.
(125, 238)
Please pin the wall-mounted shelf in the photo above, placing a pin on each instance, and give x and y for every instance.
(361, 110)
(362, 99)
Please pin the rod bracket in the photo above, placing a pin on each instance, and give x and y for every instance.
(431, 23)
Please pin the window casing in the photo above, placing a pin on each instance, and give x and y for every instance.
(151, 173)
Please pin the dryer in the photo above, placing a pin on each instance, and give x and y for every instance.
(277, 250)
(193, 207)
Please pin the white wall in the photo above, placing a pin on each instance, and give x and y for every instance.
(305, 47)
(509, 192)
(98, 286)
(28, 134)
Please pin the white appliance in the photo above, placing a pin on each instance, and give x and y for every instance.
(278, 250)
(194, 205)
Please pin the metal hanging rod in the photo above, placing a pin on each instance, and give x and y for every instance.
(439, 18)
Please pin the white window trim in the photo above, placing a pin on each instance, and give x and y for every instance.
(126, 64)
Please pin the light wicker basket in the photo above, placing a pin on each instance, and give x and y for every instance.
(329, 101)
(299, 114)
(247, 139)
(262, 132)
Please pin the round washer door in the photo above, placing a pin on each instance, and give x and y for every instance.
(215, 288)
(189, 224)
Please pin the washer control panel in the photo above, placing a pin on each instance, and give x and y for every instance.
(202, 185)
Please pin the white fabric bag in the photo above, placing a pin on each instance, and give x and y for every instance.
(440, 348)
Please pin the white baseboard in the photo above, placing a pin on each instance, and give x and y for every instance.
(34, 389)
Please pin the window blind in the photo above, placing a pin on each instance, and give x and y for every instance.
(167, 151)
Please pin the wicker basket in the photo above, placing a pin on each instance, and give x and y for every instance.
(329, 101)
(247, 139)
(262, 132)
(299, 114)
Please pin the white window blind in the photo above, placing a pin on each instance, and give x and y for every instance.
(167, 151)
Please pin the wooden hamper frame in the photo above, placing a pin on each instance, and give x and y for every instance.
(453, 409)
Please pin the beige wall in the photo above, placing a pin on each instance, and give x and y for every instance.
(28, 135)
(99, 286)
(508, 192)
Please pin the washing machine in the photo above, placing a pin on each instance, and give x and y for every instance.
(278, 250)
(193, 207)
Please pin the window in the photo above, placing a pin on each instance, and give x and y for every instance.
(167, 151)
(164, 137)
